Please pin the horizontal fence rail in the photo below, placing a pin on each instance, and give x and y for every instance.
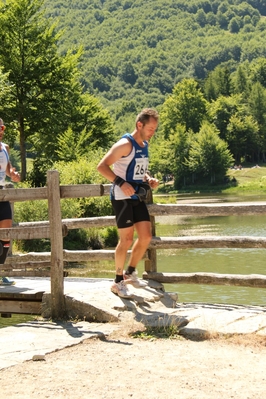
(252, 280)
(42, 264)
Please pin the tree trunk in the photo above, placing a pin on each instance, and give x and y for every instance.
(23, 171)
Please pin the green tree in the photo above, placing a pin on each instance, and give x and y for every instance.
(257, 107)
(89, 128)
(161, 156)
(240, 80)
(242, 136)
(234, 26)
(180, 143)
(46, 91)
(218, 83)
(201, 18)
(186, 106)
(208, 154)
(257, 103)
(40, 79)
(221, 110)
(258, 71)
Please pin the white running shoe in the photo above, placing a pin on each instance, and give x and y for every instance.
(121, 289)
(134, 280)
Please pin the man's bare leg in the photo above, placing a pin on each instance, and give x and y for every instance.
(142, 242)
(125, 242)
(139, 248)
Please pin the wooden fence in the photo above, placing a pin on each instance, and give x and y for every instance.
(35, 264)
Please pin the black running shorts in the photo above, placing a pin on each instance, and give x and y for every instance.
(5, 210)
(130, 211)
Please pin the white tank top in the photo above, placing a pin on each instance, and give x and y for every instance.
(4, 159)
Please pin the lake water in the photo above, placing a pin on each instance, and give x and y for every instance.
(214, 260)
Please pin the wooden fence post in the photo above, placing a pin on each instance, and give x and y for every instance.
(58, 308)
(150, 264)
(10, 251)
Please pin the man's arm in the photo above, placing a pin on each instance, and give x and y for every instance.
(10, 170)
(120, 149)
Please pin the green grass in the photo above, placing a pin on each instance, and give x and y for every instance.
(163, 332)
(249, 179)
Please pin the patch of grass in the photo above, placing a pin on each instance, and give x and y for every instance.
(249, 179)
(165, 200)
(162, 332)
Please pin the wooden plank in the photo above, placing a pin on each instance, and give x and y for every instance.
(252, 280)
(20, 307)
(10, 293)
(25, 265)
(81, 190)
(106, 189)
(23, 194)
(30, 256)
(85, 223)
(29, 233)
(213, 209)
(68, 256)
(30, 273)
(208, 242)
(88, 255)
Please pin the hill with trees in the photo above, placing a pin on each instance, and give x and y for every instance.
(135, 52)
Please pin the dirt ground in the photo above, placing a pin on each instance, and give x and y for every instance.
(122, 367)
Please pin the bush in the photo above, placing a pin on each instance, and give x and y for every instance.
(110, 237)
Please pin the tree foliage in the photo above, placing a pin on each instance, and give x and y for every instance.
(148, 47)
(46, 93)
(208, 154)
(186, 107)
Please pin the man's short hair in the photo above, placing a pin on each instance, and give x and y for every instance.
(145, 115)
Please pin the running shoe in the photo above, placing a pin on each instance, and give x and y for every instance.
(6, 281)
(134, 280)
(120, 289)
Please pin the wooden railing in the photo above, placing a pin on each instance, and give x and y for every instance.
(35, 264)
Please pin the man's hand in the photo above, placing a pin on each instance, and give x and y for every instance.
(127, 189)
(14, 176)
(153, 182)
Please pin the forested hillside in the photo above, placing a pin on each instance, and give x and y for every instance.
(136, 51)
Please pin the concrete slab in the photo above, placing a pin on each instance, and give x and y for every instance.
(92, 300)
(222, 319)
(35, 339)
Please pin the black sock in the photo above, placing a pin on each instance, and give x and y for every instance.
(130, 270)
(3, 256)
(118, 278)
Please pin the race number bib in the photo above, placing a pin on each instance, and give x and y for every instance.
(141, 168)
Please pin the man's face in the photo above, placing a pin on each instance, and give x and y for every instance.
(148, 130)
(2, 130)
